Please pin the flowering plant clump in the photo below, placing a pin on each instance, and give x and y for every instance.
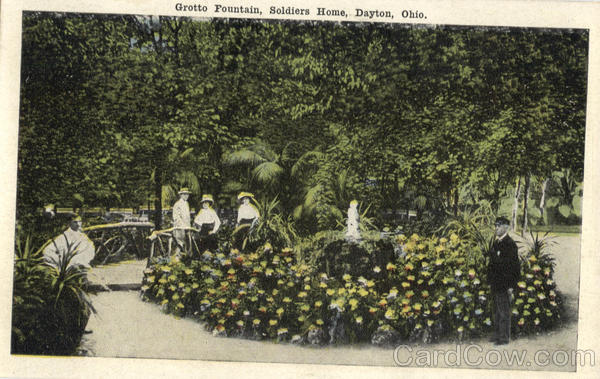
(537, 302)
(432, 288)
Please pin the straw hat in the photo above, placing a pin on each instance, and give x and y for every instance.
(207, 198)
(184, 190)
(245, 194)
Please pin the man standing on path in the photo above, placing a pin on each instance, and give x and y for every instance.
(503, 274)
(181, 219)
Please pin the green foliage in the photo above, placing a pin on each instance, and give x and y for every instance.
(474, 225)
(538, 304)
(433, 118)
(271, 227)
(50, 304)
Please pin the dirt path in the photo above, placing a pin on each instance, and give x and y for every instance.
(127, 327)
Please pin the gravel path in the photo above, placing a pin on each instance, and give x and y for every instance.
(125, 326)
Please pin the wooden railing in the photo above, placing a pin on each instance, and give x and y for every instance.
(115, 241)
(162, 242)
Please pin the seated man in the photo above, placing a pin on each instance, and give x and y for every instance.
(71, 248)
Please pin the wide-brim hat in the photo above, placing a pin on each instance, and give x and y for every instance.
(245, 194)
(184, 190)
(501, 221)
(207, 198)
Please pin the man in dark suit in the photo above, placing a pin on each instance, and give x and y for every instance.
(504, 272)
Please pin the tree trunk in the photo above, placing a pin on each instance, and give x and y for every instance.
(513, 221)
(157, 202)
(455, 202)
(525, 202)
(543, 199)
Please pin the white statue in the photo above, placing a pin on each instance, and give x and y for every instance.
(353, 232)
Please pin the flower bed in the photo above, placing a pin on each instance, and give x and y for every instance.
(433, 288)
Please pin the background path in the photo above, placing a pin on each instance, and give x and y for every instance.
(125, 326)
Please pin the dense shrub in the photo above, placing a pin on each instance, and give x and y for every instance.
(429, 288)
(50, 307)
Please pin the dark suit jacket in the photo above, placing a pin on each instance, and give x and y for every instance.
(504, 269)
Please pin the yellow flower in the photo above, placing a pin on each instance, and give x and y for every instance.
(370, 283)
(330, 292)
(353, 303)
(272, 322)
(307, 287)
(319, 322)
(390, 266)
(362, 292)
(287, 300)
(165, 301)
(279, 311)
(181, 284)
(195, 285)
(275, 292)
(305, 307)
(301, 318)
(179, 305)
(323, 285)
(346, 277)
(256, 321)
(302, 294)
(390, 314)
(341, 291)
(188, 271)
(421, 246)
(318, 303)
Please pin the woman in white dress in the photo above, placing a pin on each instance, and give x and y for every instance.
(207, 222)
(247, 212)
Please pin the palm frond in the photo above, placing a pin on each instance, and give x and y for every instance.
(244, 157)
(267, 172)
(308, 162)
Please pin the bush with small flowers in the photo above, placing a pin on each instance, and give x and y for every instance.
(435, 288)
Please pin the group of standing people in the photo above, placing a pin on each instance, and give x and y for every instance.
(207, 221)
